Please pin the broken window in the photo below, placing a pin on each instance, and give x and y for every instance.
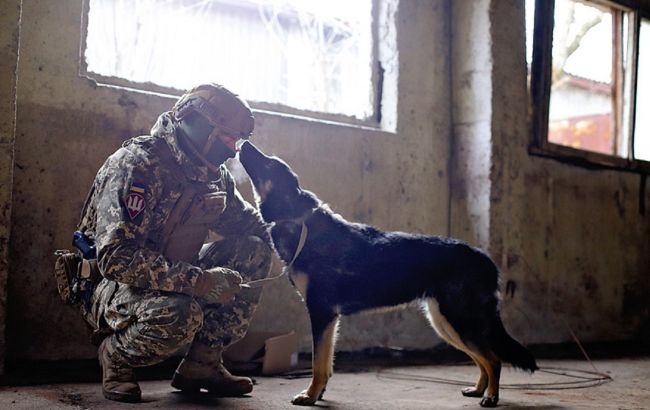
(587, 80)
(308, 55)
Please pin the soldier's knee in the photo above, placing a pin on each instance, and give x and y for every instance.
(191, 314)
(259, 245)
(194, 316)
(260, 253)
(250, 255)
(186, 318)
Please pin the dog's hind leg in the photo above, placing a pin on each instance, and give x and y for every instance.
(324, 329)
(481, 383)
(487, 376)
(492, 366)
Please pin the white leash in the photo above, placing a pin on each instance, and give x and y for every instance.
(264, 281)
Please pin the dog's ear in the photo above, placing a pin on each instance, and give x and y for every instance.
(307, 200)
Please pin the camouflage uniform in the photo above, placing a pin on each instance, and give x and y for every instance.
(150, 267)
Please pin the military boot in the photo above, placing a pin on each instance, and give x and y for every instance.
(202, 368)
(118, 380)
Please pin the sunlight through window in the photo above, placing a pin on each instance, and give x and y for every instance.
(589, 81)
(306, 54)
(580, 113)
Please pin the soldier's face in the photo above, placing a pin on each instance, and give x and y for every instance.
(198, 129)
(229, 141)
(223, 148)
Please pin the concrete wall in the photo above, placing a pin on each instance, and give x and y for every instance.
(471, 119)
(67, 125)
(572, 242)
(9, 42)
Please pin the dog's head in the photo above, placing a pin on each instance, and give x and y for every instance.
(277, 189)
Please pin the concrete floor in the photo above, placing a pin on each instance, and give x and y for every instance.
(410, 387)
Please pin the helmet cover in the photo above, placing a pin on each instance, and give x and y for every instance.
(221, 107)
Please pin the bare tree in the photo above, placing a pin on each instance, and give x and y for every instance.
(567, 38)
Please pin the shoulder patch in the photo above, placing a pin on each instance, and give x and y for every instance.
(135, 201)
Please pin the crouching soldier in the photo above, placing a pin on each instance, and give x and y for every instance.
(162, 289)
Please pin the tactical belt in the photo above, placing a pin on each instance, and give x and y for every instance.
(75, 277)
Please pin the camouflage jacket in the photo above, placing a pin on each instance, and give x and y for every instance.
(130, 203)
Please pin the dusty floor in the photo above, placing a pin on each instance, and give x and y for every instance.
(411, 387)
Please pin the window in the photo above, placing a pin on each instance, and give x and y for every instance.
(642, 117)
(306, 55)
(589, 81)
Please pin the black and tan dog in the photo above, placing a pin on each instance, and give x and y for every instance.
(341, 268)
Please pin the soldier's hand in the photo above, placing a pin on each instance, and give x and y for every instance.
(218, 285)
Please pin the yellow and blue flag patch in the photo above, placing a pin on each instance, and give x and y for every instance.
(137, 187)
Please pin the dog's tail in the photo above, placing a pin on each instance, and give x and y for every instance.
(509, 350)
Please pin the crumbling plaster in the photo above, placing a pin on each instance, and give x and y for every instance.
(67, 125)
(572, 242)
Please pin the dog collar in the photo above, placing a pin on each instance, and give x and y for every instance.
(301, 244)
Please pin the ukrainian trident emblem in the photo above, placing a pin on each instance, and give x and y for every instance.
(135, 201)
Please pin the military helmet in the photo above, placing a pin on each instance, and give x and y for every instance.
(221, 107)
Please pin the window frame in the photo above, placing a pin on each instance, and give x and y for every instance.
(540, 92)
(372, 122)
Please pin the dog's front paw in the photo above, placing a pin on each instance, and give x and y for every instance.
(303, 399)
(489, 401)
(471, 392)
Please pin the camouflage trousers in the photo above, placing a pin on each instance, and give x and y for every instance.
(150, 326)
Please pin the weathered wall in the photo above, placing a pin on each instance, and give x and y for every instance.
(572, 241)
(471, 89)
(9, 43)
(66, 126)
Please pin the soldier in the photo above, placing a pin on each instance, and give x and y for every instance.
(149, 211)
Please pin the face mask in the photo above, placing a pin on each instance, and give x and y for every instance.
(204, 140)
(218, 152)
